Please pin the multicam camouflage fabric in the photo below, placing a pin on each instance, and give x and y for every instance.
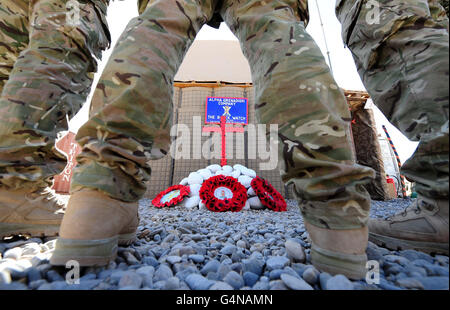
(403, 61)
(131, 106)
(51, 79)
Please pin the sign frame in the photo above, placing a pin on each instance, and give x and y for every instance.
(218, 122)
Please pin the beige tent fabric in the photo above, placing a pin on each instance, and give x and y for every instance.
(211, 61)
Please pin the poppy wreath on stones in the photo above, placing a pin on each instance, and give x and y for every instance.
(179, 192)
(221, 184)
(268, 195)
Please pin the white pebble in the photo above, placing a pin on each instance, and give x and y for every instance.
(255, 203)
(251, 192)
(245, 180)
(214, 168)
(236, 173)
(251, 173)
(205, 173)
(195, 190)
(227, 169)
(195, 178)
(192, 202)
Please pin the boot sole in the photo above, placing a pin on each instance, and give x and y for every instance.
(127, 239)
(351, 266)
(89, 252)
(400, 244)
(85, 252)
(33, 230)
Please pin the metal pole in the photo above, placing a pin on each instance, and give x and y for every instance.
(324, 38)
(402, 178)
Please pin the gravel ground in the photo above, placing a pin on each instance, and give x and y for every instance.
(180, 249)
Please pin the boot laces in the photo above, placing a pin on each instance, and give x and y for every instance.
(415, 207)
(48, 197)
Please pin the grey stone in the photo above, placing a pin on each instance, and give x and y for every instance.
(260, 285)
(299, 268)
(295, 251)
(146, 271)
(35, 284)
(53, 276)
(214, 276)
(116, 275)
(162, 273)
(434, 283)
(397, 259)
(410, 283)
(323, 278)
(212, 265)
(173, 259)
(339, 282)
(150, 261)
(33, 274)
(250, 278)
(198, 282)
(234, 279)
(13, 286)
(275, 274)
(130, 258)
(228, 249)
(130, 279)
(196, 258)
(295, 283)
(277, 285)
(311, 275)
(276, 262)
(172, 283)
(241, 244)
(223, 270)
(221, 286)
(413, 255)
(88, 276)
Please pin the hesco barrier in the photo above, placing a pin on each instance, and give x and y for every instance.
(189, 101)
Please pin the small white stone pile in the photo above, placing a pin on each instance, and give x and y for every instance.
(195, 180)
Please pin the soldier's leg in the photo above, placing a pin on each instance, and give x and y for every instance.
(129, 125)
(294, 89)
(13, 35)
(402, 54)
(50, 79)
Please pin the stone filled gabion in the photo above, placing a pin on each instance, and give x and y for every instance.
(240, 173)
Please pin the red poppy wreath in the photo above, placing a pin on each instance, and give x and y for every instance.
(268, 195)
(171, 196)
(221, 194)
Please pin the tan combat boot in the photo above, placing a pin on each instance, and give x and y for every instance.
(339, 251)
(93, 227)
(422, 226)
(35, 214)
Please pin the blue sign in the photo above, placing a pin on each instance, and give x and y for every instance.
(235, 110)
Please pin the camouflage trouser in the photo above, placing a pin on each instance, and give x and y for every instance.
(51, 79)
(131, 107)
(401, 49)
